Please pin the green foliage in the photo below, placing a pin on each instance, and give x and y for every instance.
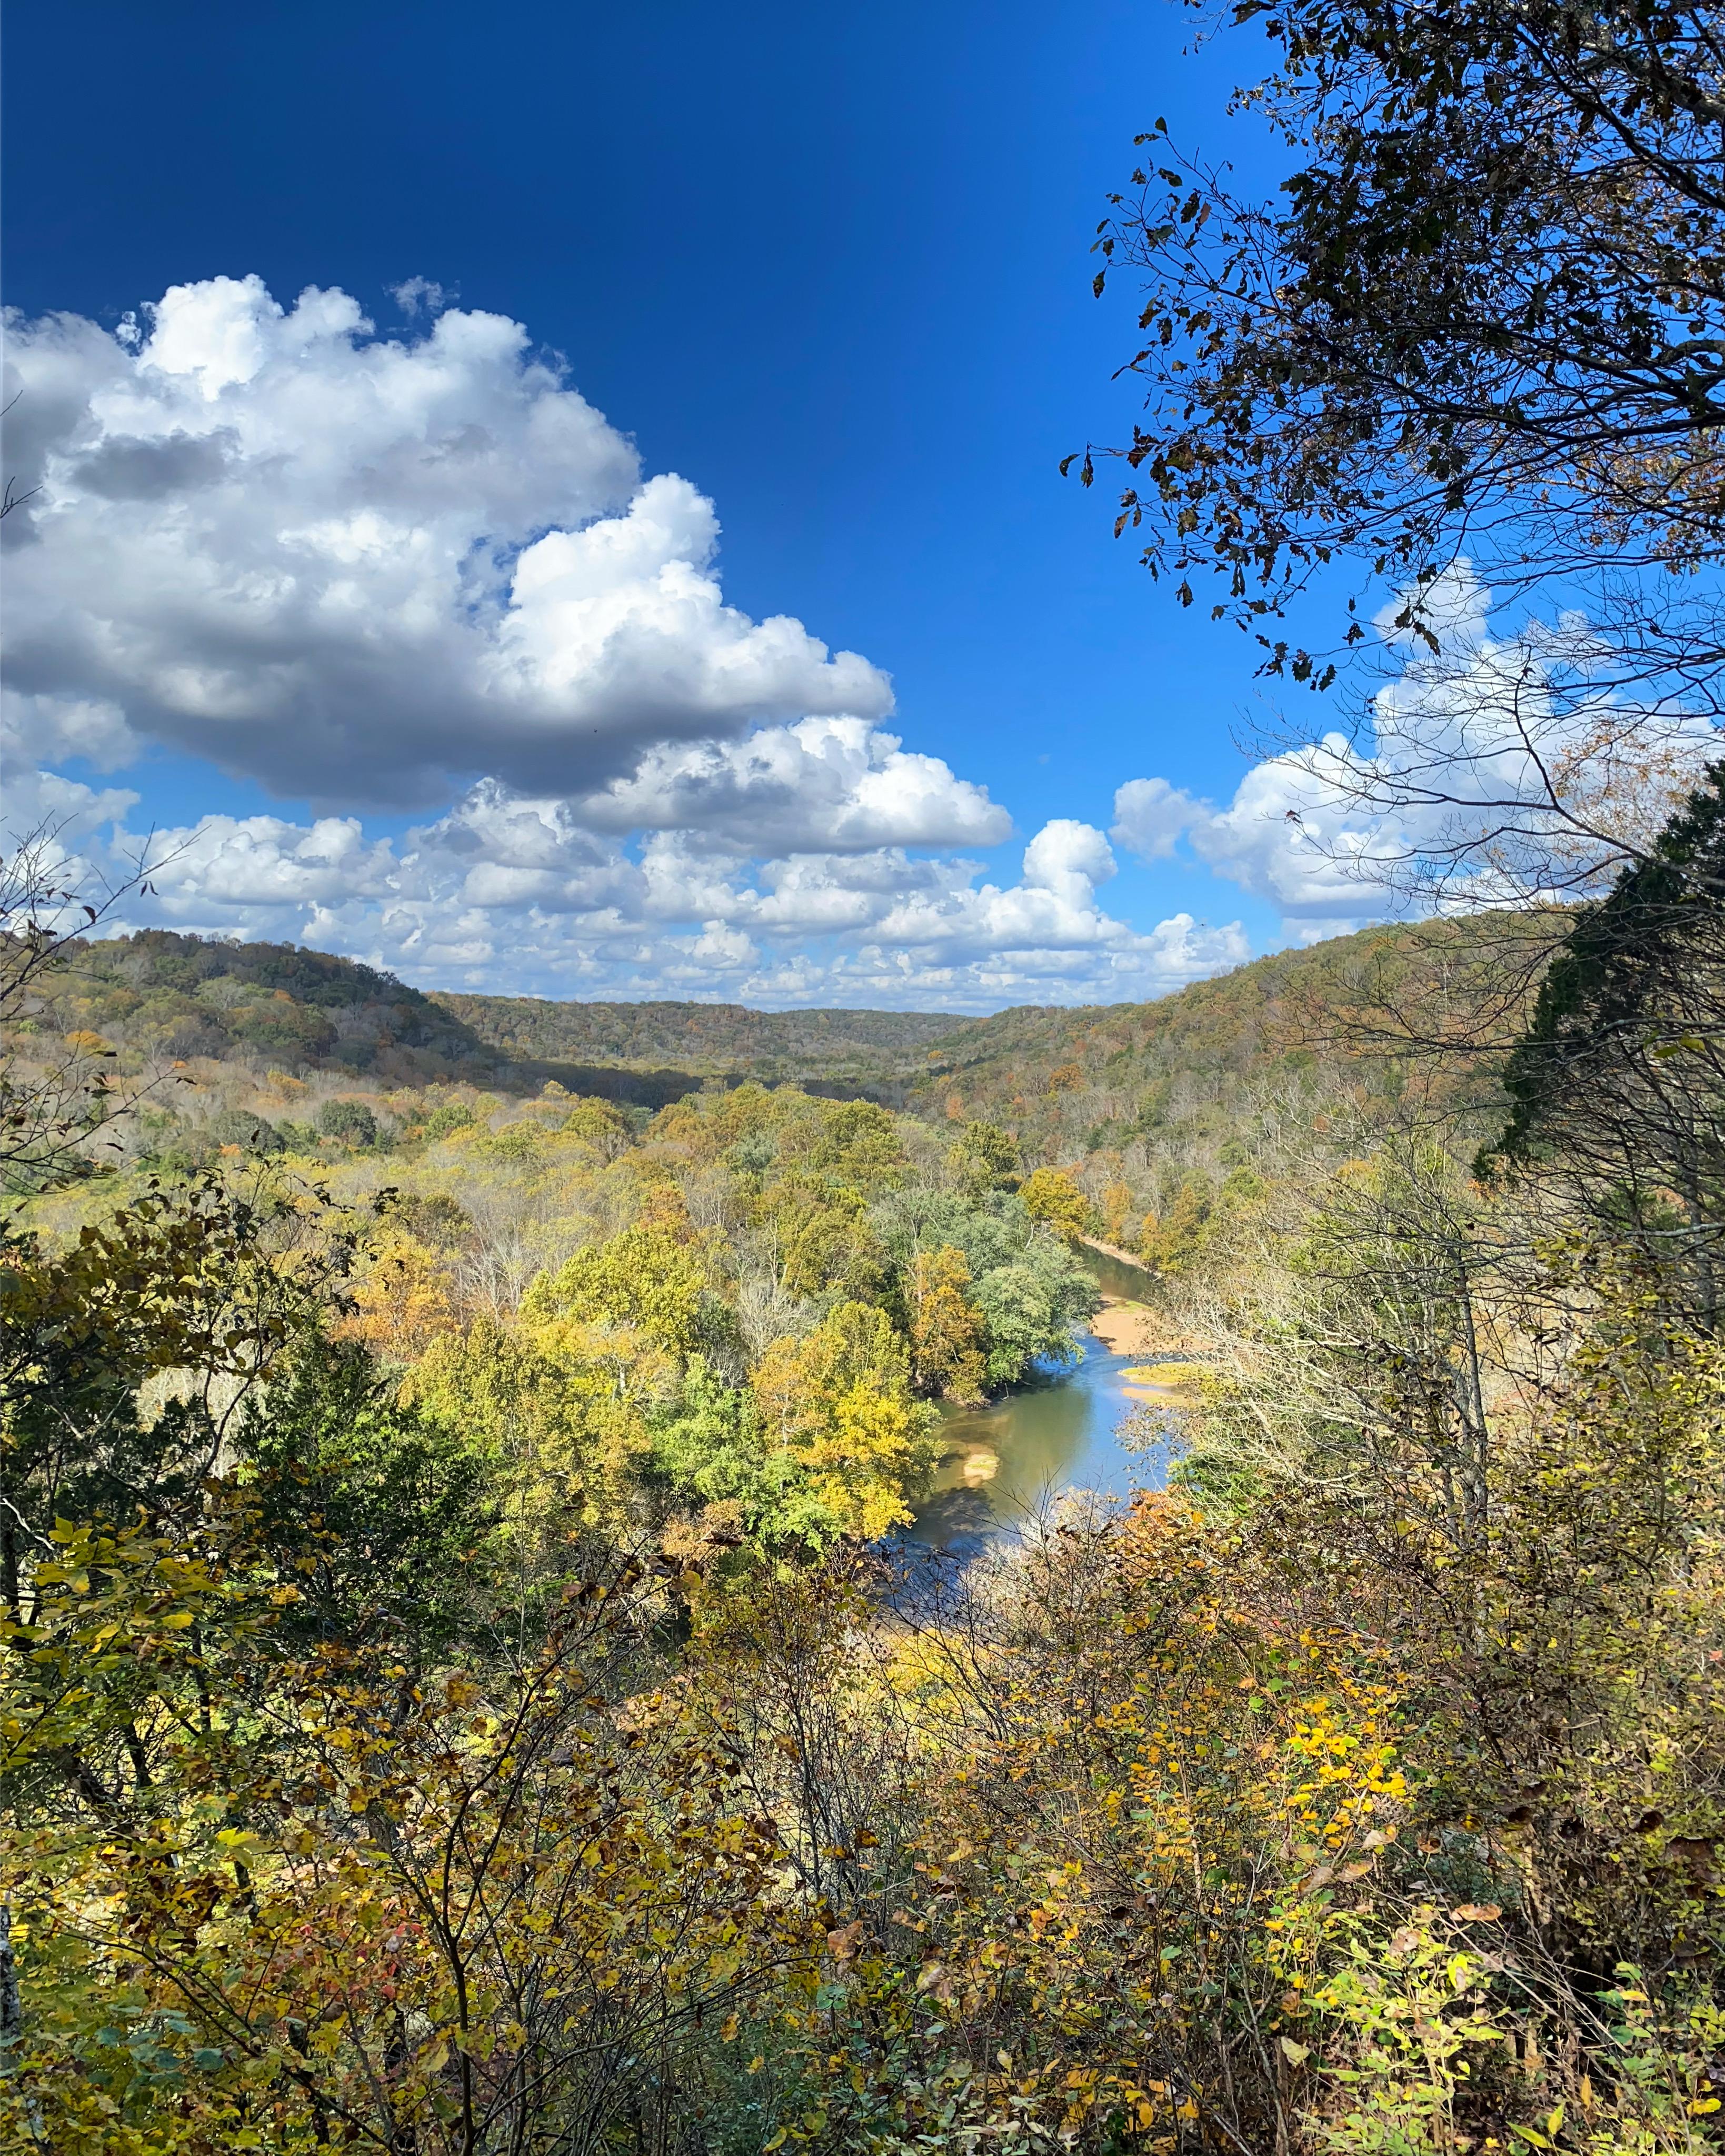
(599, 1123)
(234, 1127)
(712, 1452)
(1147, 1095)
(839, 1403)
(1617, 1087)
(557, 1439)
(646, 1278)
(382, 1516)
(987, 1156)
(945, 1330)
(170, 994)
(349, 1122)
(465, 1702)
(1171, 1243)
(706, 1039)
(1024, 1292)
(860, 1146)
(329, 1907)
(1029, 1307)
(1290, 1055)
(124, 1358)
(447, 1116)
(432, 1217)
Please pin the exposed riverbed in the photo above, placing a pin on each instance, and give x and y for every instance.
(1060, 1432)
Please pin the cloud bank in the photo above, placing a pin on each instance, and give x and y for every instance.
(419, 573)
(422, 573)
(272, 539)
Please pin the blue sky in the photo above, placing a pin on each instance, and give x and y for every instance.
(830, 266)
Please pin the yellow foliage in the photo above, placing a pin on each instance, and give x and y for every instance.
(557, 1411)
(840, 1399)
(946, 1331)
(1051, 1196)
(1172, 1241)
(405, 1300)
(416, 1907)
(646, 1280)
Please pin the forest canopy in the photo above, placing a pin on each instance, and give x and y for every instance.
(464, 1691)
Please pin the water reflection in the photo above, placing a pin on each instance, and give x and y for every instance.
(1118, 1278)
(1058, 1433)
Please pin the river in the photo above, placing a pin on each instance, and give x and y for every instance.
(1058, 1432)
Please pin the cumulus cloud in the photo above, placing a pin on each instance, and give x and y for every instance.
(364, 568)
(39, 802)
(55, 729)
(261, 865)
(502, 893)
(830, 784)
(1498, 770)
(1151, 817)
(420, 571)
(1295, 833)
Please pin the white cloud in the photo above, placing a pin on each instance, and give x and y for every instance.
(38, 802)
(828, 783)
(51, 729)
(1296, 835)
(1151, 817)
(503, 894)
(422, 571)
(262, 864)
(1499, 769)
(414, 293)
(359, 567)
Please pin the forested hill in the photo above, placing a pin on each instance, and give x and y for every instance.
(710, 1039)
(1177, 1119)
(1069, 1083)
(161, 996)
(1365, 1009)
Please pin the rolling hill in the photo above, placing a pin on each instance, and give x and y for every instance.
(1142, 1102)
(711, 1040)
(156, 996)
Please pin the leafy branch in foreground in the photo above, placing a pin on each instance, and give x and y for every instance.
(1486, 317)
(48, 1119)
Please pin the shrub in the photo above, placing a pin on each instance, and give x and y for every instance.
(240, 1127)
(452, 1116)
(351, 1121)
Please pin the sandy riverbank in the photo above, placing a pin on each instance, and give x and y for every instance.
(1133, 1328)
(1126, 1328)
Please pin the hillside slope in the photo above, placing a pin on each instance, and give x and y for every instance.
(711, 1038)
(1166, 1113)
(159, 997)
(163, 995)
(1398, 993)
